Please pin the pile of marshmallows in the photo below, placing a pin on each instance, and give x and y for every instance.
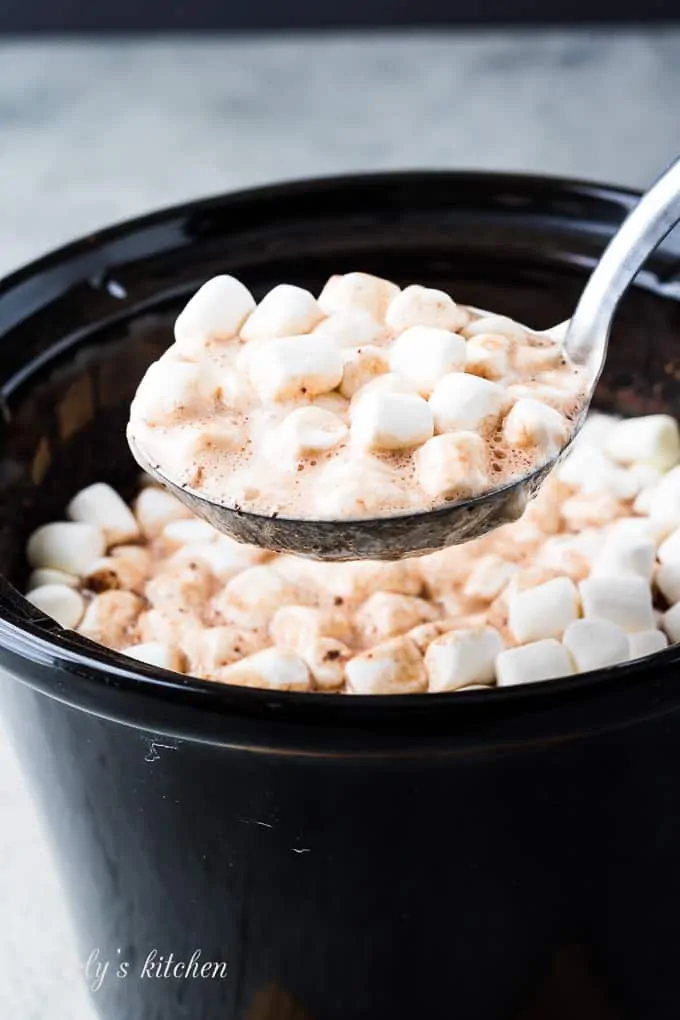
(365, 369)
(589, 577)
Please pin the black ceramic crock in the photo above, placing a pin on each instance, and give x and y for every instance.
(511, 854)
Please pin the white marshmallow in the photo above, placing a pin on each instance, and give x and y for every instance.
(544, 611)
(277, 669)
(540, 660)
(101, 505)
(532, 423)
(351, 327)
(663, 502)
(391, 421)
(111, 617)
(357, 488)
(284, 311)
(358, 291)
(189, 532)
(386, 614)
(424, 306)
(66, 545)
(669, 550)
(60, 602)
(224, 557)
(452, 465)
(488, 355)
(154, 508)
(395, 667)
(653, 439)
(46, 575)
(667, 579)
(296, 366)
(646, 642)
(462, 657)
(326, 659)
(308, 430)
(586, 510)
(299, 627)
(215, 312)
(172, 388)
(207, 649)
(251, 598)
(671, 622)
(462, 401)
(488, 577)
(595, 644)
(388, 383)
(591, 471)
(361, 366)
(154, 653)
(190, 443)
(115, 572)
(498, 324)
(594, 431)
(623, 553)
(530, 360)
(625, 600)
(423, 355)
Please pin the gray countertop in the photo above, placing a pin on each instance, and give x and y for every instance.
(95, 132)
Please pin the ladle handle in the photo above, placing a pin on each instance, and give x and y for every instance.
(644, 228)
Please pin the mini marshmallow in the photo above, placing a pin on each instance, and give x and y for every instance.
(357, 488)
(361, 366)
(663, 502)
(351, 327)
(188, 532)
(671, 622)
(308, 430)
(190, 444)
(423, 355)
(591, 471)
(653, 439)
(488, 355)
(224, 557)
(386, 614)
(625, 554)
(532, 423)
(276, 669)
(388, 383)
(326, 659)
(462, 401)
(462, 657)
(358, 291)
(625, 600)
(540, 660)
(251, 598)
(646, 642)
(215, 312)
(298, 627)
(115, 572)
(667, 579)
(296, 366)
(154, 508)
(207, 649)
(488, 577)
(595, 430)
(496, 324)
(452, 465)
(154, 653)
(544, 611)
(182, 585)
(395, 667)
(590, 510)
(45, 575)
(66, 545)
(424, 306)
(425, 633)
(285, 311)
(530, 360)
(595, 644)
(170, 388)
(60, 602)
(111, 617)
(669, 550)
(391, 421)
(101, 505)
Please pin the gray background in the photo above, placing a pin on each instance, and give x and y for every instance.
(94, 132)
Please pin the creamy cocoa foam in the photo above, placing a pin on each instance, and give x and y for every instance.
(367, 401)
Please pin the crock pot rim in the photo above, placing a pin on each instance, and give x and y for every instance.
(21, 625)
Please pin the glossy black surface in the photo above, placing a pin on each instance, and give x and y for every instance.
(482, 855)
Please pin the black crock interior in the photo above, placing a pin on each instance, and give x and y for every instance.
(78, 328)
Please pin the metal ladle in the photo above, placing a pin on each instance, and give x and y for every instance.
(584, 338)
